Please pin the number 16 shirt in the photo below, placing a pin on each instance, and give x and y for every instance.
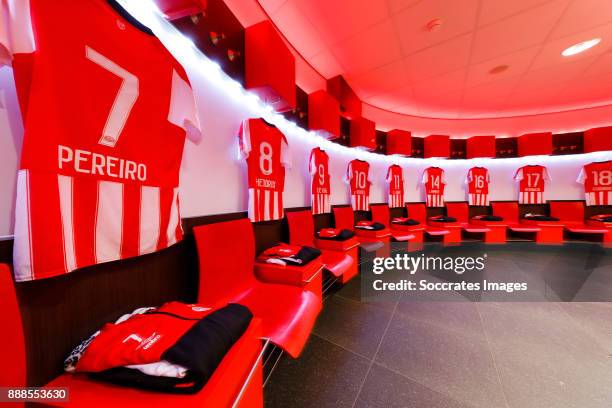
(106, 109)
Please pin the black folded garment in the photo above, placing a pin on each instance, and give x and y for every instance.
(407, 221)
(375, 226)
(602, 218)
(303, 257)
(489, 218)
(200, 350)
(444, 218)
(342, 235)
(540, 217)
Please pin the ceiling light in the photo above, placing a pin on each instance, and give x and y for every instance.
(580, 47)
(498, 69)
(433, 25)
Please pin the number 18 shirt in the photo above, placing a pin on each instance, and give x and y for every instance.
(106, 108)
(597, 180)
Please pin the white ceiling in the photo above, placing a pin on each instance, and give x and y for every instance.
(392, 61)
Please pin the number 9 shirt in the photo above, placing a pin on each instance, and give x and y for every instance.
(266, 151)
(106, 109)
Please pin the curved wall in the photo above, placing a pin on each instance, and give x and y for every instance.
(213, 179)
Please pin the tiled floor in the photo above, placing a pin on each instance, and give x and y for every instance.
(453, 354)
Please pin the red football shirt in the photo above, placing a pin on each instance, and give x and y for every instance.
(478, 186)
(395, 178)
(318, 167)
(106, 109)
(531, 184)
(434, 181)
(266, 151)
(357, 175)
(597, 180)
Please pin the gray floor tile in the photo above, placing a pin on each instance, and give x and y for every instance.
(595, 318)
(355, 326)
(386, 389)
(446, 361)
(545, 359)
(460, 316)
(325, 375)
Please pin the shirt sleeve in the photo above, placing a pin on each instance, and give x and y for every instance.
(443, 177)
(349, 173)
(518, 176)
(16, 34)
(581, 177)
(285, 154)
(425, 176)
(183, 110)
(545, 174)
(244, 140)
(311, 163)
(468, 177)
(388, 178)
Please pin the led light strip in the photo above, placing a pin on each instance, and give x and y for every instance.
(147, 12)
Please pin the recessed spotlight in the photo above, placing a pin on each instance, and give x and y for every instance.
(433, 25)
(580, 47)
(498, 69)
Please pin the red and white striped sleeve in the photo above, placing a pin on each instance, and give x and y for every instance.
(518, 176)
(244, 139)
(183, 109)
(582, 176)
(349, 173)
(285, 153)
(16, 33)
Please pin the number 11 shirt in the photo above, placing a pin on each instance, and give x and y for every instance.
(106, 109)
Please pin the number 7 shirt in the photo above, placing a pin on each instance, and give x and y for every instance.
(266, 151)
(531, 184)
(106, 109)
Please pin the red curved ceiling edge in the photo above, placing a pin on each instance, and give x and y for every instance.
(263, 10)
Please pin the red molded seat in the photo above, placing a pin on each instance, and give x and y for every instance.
(226, 253)
(12, 351)
(571, 214)
(381, 213)
(222, 389)
(301, 232)
(460, 211)
(417, 211)
(509, 211)
(344, 218)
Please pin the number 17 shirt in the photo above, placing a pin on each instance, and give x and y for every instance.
(106, 109)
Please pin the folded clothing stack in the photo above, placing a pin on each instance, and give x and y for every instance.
(443, 218)
(370, 225)
(488, 218)
(335, 234)
(284, 254)
(404, 221)
(540, 217)
(175, 348)
(602, 218)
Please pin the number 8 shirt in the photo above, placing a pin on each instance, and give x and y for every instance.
(266, 151)
(106, 108)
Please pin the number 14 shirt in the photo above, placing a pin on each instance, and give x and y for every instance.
(106, 109)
